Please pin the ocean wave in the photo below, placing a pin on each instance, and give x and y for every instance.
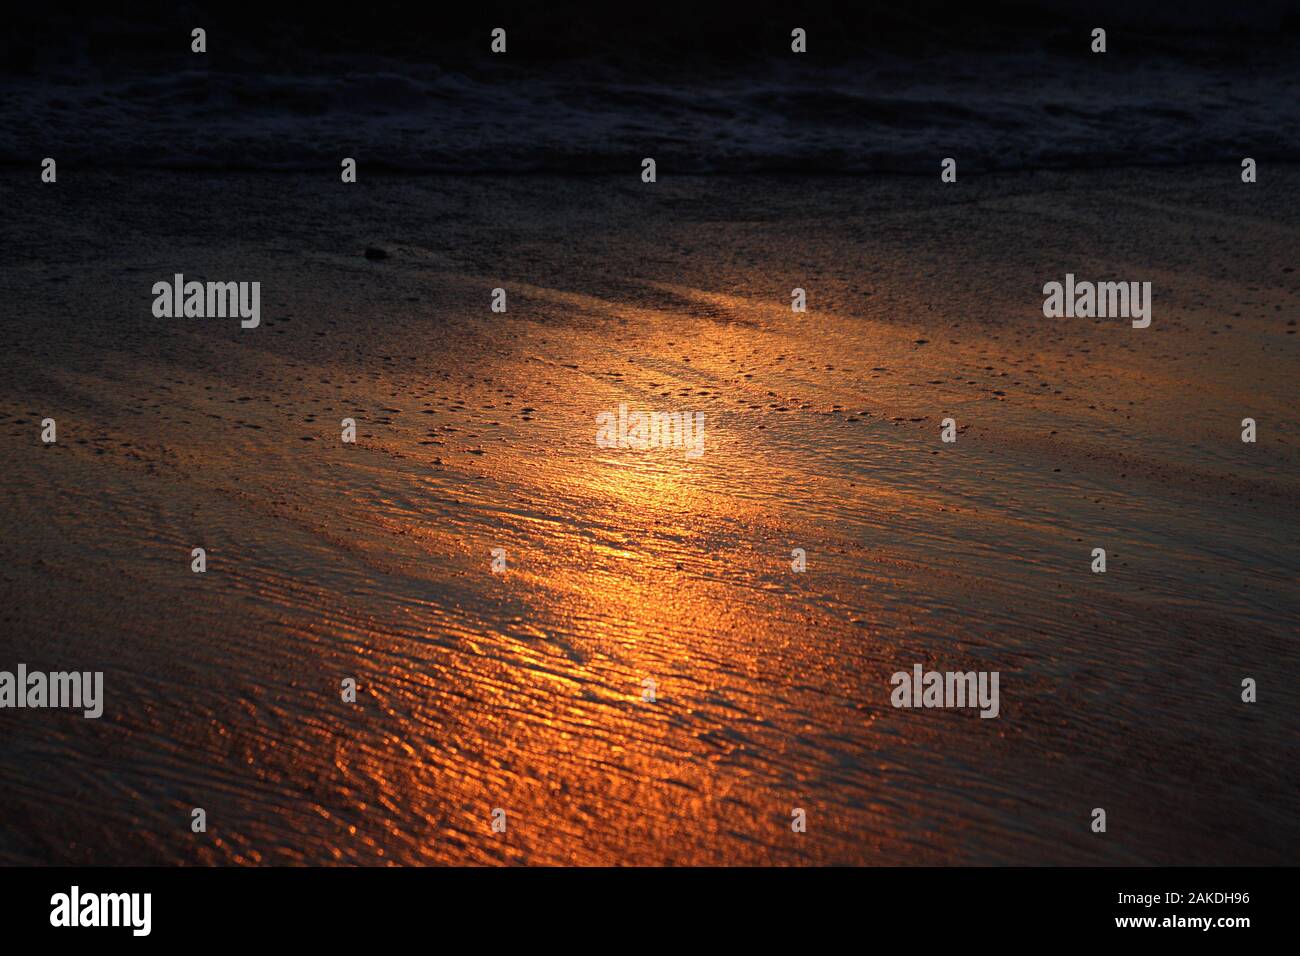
(898, 114)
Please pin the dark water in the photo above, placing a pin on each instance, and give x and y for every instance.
(718, 91)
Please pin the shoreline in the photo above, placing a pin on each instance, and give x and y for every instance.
(475, 431)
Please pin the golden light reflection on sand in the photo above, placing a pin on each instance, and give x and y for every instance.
(524, 690)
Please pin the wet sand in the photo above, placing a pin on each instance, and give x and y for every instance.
(476, 431)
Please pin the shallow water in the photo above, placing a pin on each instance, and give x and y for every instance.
(885, 89)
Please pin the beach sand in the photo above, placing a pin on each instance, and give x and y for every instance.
(476, 430)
